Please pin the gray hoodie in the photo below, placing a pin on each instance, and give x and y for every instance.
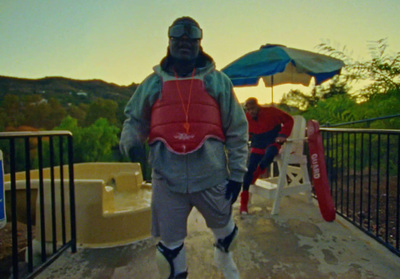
(215, 161)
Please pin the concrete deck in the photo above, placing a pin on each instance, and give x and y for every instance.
(297, 243)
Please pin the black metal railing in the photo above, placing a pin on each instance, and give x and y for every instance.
(364, 168)
(27, 155)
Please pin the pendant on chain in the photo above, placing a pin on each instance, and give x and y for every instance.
(186, 125)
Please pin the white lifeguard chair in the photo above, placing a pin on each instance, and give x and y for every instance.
(293, 177)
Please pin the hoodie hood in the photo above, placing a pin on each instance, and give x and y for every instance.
(203, 62)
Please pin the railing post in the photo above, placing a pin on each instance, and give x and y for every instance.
(62, 195)
(41, 202)
(53, 196)
(28, 204)
(72, 193)
(13, 211)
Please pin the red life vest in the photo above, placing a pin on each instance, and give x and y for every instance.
(168, 116)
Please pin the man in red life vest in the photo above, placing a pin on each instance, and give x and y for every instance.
(268, 128)
(198, 134)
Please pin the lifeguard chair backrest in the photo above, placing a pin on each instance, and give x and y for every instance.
(298, 132)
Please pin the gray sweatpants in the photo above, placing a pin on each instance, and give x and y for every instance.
(170, 210)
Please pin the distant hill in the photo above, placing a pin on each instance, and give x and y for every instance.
(66, 90)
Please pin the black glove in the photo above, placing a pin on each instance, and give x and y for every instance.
(137, 153)
(232, 190)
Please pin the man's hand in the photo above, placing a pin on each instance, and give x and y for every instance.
(280, 140)
(232, 190)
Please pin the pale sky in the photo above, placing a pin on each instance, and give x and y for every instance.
(119, 41)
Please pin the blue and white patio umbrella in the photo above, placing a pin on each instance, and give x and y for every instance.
(278, 64)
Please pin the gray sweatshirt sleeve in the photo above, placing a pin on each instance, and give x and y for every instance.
(136, 127)
(234, 124)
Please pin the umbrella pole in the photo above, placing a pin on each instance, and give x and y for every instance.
(272, 89)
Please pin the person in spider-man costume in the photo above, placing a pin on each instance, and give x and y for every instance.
(269, 127)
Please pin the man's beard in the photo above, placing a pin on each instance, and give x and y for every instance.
(184, 62)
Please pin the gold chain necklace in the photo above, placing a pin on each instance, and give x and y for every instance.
(186, 125)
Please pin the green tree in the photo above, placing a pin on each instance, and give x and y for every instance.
(93, 143)
(102, 108)
(380, 105)
(78, 112)
(44, 114)
(305, 101)
(337, 109)
(31, 110)
(334, 88)
(296, 98)
(11, 109)
(382, 71)
(56, 114)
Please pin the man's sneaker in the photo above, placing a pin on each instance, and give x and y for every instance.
(226, 264)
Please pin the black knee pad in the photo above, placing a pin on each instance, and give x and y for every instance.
(227, 244)
(165, 258)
